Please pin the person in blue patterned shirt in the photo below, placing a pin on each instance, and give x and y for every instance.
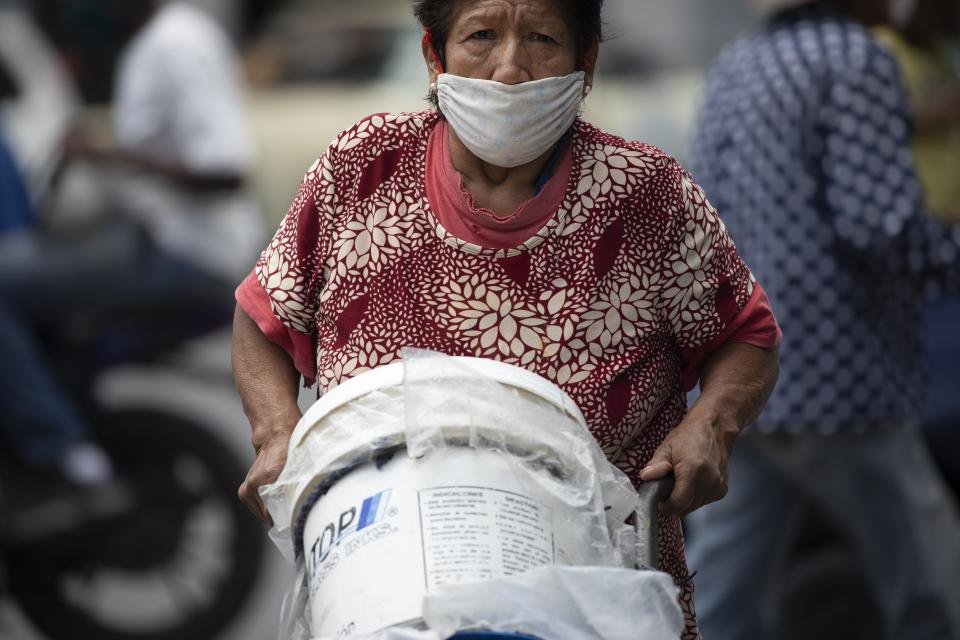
(804, 146)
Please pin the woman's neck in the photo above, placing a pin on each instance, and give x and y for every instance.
(498, 189)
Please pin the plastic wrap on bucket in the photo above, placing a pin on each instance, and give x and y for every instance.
(586, 603)
(440, 471)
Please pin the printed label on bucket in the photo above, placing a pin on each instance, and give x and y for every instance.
(474, 533)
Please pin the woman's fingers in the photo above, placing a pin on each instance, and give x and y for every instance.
(683, 497)
(660, 464)
(265, 470)
(251, 498)
(695, 487)
(656, 470)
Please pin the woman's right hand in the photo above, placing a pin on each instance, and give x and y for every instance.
(271, 457)
(268, 384)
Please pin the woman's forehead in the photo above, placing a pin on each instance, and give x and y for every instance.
(512, 10)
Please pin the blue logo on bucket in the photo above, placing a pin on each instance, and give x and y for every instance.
(373, 509)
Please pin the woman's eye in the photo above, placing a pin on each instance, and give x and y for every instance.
(541, 37)
(485, 34)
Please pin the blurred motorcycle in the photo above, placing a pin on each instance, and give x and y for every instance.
(167, 552)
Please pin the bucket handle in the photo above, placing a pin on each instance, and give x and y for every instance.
(651, 493)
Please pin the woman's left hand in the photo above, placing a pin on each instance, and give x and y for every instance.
(735, 382)
(696, 452)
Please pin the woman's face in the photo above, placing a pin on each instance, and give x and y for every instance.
(510, 41)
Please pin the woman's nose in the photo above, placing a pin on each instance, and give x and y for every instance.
(510, 64)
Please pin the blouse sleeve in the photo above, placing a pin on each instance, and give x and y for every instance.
(707, 293)
(754, 325)
(280, 295)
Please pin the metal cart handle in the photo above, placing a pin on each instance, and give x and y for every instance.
(651, 495)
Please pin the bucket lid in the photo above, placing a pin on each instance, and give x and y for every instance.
(343, 450)
(391, 375)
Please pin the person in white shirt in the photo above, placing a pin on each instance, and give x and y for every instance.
(180, 122)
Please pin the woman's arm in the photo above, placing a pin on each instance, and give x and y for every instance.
(735, 383)
(77, 147)
(268, 384)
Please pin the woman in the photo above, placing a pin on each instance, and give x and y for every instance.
(504, 227)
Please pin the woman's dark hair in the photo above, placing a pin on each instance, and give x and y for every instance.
(582, 16)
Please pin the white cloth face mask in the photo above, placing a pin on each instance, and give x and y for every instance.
(509, 125)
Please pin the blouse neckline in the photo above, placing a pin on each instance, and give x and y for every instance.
(460, 223)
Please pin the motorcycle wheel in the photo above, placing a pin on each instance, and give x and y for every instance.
(179, 565)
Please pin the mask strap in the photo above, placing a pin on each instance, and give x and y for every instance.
(428, 39)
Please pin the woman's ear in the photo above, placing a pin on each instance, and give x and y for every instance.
(432, 59)
(588, 64)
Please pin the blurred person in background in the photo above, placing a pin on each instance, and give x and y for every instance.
(925, 38)
(39, 429)
(500, 225)
(182, 137)
(187, 233)
(803, 143)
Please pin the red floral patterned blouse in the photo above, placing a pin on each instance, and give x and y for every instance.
(616, 298)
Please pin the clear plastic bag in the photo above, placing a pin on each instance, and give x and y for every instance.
(431, 411)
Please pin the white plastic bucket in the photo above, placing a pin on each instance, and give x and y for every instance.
(384, 533)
